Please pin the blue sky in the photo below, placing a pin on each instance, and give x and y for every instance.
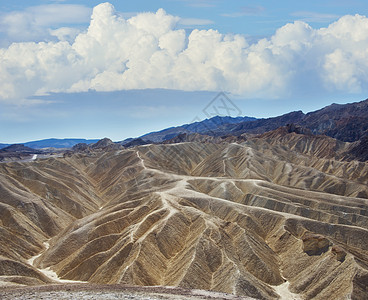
(136, 68)
(252, 18)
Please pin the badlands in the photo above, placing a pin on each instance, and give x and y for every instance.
(279, 216)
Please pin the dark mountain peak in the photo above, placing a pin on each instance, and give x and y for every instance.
(334, 106)
(294, 114)
(285, 130)
(345, 122)
(360, 151)
(80, 147)
(220, 120)
(340, 110)
(260, 126)
(295, 128)
(103, 143)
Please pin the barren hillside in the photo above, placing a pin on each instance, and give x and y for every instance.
(278, 215)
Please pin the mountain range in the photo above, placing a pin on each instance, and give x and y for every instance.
(205, 126)
(160, 136)
(345, 122)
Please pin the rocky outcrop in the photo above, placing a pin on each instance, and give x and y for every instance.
(105, 144)
(360, 150)
(80, 147)
(315, 244)
(339, 253)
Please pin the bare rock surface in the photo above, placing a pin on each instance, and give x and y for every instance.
(270, 218)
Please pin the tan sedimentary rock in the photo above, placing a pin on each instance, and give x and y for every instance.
(236, 218)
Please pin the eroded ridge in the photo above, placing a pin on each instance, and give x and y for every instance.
(255, 219)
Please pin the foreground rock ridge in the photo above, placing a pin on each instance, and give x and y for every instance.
(279, 215)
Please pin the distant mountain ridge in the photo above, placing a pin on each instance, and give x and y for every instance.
(345, 122)
(205, 126)
(156, 137)
(59, 143)
(54, 143)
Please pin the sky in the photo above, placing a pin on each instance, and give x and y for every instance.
(119, 69)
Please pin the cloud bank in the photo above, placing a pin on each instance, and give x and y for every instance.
(148, 51)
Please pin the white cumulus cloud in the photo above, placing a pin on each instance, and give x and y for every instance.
(149, 51)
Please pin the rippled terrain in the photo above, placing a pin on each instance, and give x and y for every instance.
(277, 215)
